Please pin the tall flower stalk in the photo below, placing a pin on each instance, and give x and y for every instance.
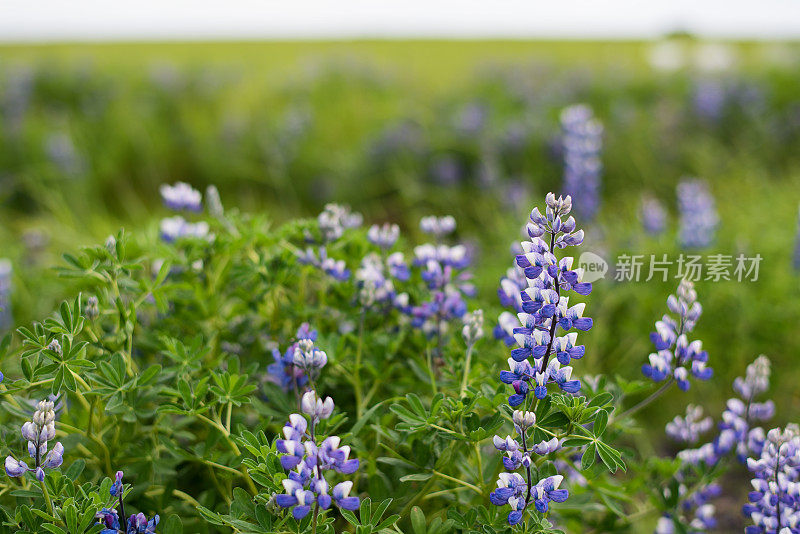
(541, 356)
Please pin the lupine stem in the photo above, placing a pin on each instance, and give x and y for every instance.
(466, 370)
(653, 396)
(47, 498)
(473, 487)
(357, 370)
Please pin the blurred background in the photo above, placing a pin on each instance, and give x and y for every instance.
(406, 109)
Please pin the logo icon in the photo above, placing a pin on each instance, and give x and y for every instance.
(594, 267)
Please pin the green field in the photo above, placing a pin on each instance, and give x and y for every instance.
(281, 128)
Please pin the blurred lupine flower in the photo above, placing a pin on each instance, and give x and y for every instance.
(174, 228)
(698, 214)
(307, 460)
(796, 255)
(336, 269)
(335, 219)
(735, 435)
(775, 500)
(38, 431)
(109, 518)
(689, 428)
(383, 236)
(6, 318)
(676, 357)
(471, 119)
(92, 308)
(284, 371)
(438, 226)
(446, 170)
(582, 142)
(653, 216)
(541, 356)
(709, 99)
(181, 196)
(373, 284)
(473, 327)
(62, 153)
(441, 267)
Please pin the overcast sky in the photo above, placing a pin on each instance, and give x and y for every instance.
(52, 20)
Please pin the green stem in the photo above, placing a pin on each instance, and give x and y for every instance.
(473, 487)
(653, 396)
(466, 371)
(47, 498)
(357, 370)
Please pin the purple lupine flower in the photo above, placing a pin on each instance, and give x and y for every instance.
(543, 346)
(442, 268)
(285, 371)
(335, 219)
(736, 435)
(796, 254)
(709, 99)
(38, 432)
(438, 226)
(112, 521)
(582, 142)
(6, 318)
(676, 357)
(181, 196)
(653, 216)
(546, 490)
(174, 228)
(374, 287)
(775, 500)
(688, 429)
(383, 236)
(698, 214)
(307, 460)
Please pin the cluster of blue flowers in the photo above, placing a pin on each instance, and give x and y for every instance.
(374, 277)
(796, 253)
(545, 307)
(302, 359)
(306, 459)
(6, 318)
(541, 357)
(653, 216)
(698, 214)
(775, 500)
(182, 197)
(676, 357)
(38, 432)
(442, 268)
(109, 518)
(736, 435)
(331, 225)
(512, 488)
(582, 142)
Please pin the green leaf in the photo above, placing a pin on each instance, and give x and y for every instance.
(600, 422)
(173, 525)
(416, 477)
(587, 460)
(418, 521)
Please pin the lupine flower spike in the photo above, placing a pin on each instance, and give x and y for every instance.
(307, 459)
(736, 435)
(543, 349)
(775, 500)
(109, 518)
(698, 212)
(582, 143)
(38, 432)
(676, 358)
